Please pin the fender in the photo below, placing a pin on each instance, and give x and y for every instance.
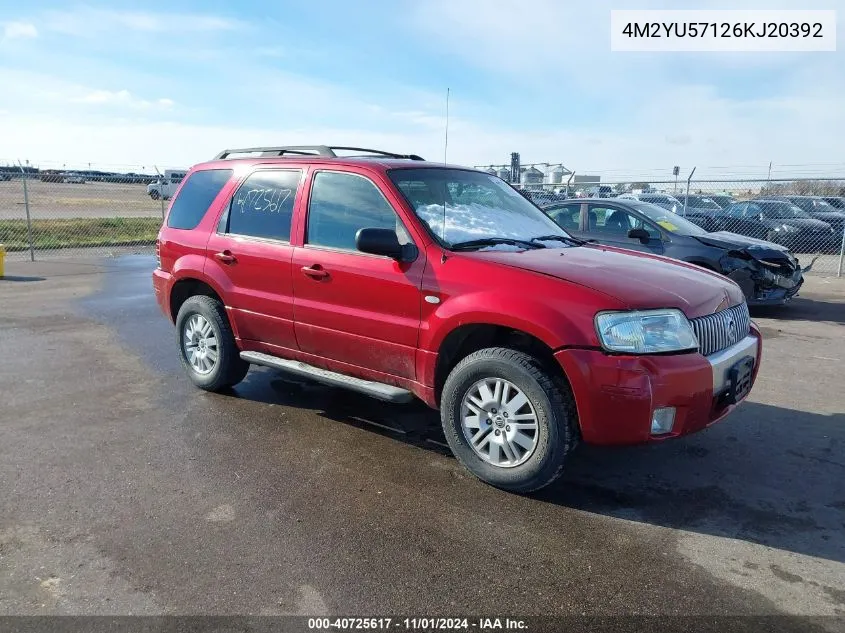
(541, 319)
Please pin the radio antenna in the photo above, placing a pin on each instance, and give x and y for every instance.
(446, 144)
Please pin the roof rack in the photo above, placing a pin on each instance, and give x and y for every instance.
(327, 151)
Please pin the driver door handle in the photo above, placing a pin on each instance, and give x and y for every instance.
(315, 271)
(226, 257)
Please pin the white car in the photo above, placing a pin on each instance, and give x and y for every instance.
(166, 186)
(74, 178)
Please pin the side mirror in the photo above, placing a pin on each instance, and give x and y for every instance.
(639, 234)
(761, 217)
(383, 242)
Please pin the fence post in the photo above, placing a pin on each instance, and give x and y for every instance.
(687, 196)
(161, 190)
(28, 219)
(841, 254)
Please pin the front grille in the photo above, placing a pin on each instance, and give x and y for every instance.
(719, 331)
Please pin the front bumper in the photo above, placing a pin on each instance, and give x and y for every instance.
(616, 395)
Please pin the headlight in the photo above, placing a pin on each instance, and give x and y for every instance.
(645, 332)
(787, 228)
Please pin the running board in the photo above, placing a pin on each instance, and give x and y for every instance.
(379, 390)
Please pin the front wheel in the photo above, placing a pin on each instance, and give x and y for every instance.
(507, 420)
(207, 346)
(154, 195)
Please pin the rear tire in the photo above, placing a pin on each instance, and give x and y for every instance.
(207, 346)
(482, 406)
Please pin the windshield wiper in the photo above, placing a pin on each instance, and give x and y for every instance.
(492, 241)
(560, 238)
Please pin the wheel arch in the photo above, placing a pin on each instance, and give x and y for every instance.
(187, 287)
(467, 338)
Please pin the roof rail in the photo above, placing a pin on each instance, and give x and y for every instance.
(327, 151)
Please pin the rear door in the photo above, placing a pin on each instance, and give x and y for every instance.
(251, 250)
(354, 309)
(610, 224)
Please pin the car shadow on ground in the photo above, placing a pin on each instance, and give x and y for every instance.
(766, 474)
(20, 278)
(802, 309)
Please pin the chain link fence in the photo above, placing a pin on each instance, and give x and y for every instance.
(807, 216)
(48, 213)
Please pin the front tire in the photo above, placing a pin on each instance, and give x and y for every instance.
(154, 195)
(207, 346)
(507, 420)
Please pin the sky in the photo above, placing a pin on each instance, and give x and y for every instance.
(172, 84)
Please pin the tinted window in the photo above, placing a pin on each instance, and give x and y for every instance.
(341, 204)
(263, 205)
(198, 192)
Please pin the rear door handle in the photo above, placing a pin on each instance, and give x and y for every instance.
(226, 257)
(315, 272)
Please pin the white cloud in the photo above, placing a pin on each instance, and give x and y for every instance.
(122, 98)
(90, 21)
(14, 30)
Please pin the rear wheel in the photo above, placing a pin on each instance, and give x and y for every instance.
(207, 346)
(507, 420)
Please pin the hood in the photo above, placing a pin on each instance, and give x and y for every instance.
(831, 217)
(801, 223)
(638, 280)
(728, 240)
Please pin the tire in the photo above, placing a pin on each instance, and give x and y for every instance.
(228, 369)
(154, 195)
(549, 400)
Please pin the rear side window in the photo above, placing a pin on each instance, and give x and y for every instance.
(263, 205)
(198, 192)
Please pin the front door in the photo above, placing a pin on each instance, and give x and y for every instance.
(609, 224)
(251, 250)
(351, 308)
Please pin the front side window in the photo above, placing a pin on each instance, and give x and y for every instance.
(463, 206)
(196, 195)
(567, 217)
(263, 205)
(610, 222)
(342, 204)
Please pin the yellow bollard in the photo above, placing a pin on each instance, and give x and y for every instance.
(2, 261)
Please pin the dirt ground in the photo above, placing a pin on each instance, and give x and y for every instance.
(54, 200)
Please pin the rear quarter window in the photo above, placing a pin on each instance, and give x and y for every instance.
(196, 195)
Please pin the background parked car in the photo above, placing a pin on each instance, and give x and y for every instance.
(816, 207)
(780, 222)
(723, 200)
(73, 177)
(767, 273)
(837, 202)
(660, 199)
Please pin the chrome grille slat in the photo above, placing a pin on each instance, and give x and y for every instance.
(714, 331)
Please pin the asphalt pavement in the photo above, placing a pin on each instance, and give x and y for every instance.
(125, 490)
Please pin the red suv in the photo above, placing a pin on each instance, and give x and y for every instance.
(398, 277)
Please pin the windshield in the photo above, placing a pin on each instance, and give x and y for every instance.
(474, 206)
(723, 201)
(781, 210)
(661, 200)
(668, 220)
(700, 202)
